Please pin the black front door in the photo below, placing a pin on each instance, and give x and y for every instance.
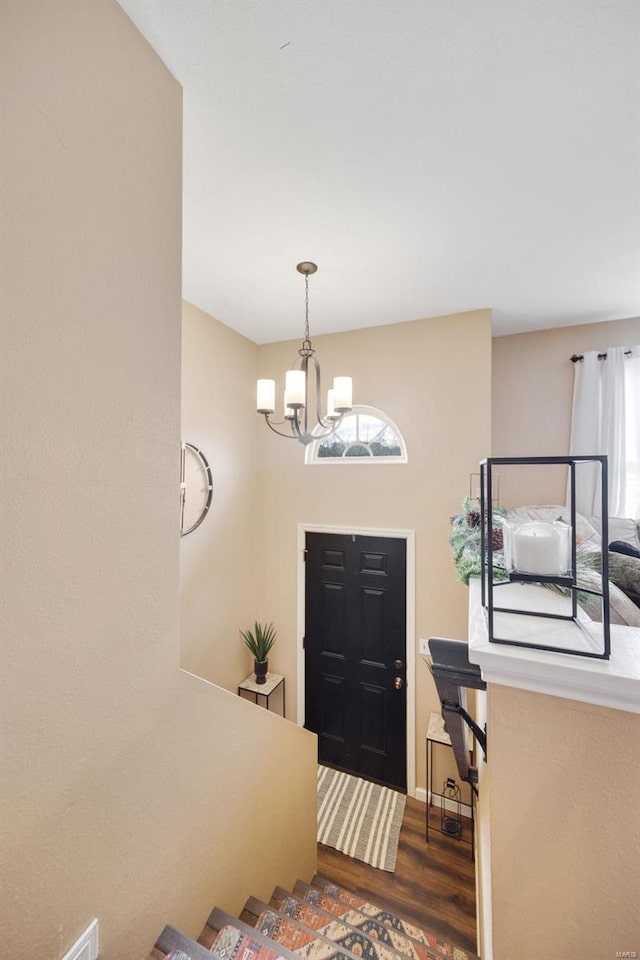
(355, 640)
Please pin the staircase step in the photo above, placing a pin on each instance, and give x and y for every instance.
(177, 946)
(338, 900)
(317, 921)
(330, 909)
(302, 941)
(340, 896)
(314, 934)
(230, 939)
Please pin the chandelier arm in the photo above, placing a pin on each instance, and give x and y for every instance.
(318, 393)
(294, 423)
(299, 431)
(305, 366)
(327, 432)
(287, 436)
(331, 425)
(327, 424)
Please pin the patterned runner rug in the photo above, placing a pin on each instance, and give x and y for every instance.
(233, 944)
(341, 934)
(383, 927)
(359, 818)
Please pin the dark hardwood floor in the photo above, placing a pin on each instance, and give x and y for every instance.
(433, 884)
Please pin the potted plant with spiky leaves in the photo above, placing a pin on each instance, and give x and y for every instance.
(259, 642)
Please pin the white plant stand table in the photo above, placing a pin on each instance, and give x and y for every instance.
(256, 691)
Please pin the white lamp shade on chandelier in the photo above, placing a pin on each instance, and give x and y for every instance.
(294, 388)
(297, 390)
(339, 397)
(266, 396)
(342, 394)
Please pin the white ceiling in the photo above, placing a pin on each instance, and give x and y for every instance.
(431, 156)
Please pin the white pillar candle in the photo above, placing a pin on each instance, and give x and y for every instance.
(540, 548)
(294, 388)
(342, 393)
(266, 396)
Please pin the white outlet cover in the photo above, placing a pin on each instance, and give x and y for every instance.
(424, 648)
(86, 946)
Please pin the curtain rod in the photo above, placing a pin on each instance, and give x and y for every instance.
(601, 356)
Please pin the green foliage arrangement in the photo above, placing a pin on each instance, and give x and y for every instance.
(260, 640)
(465, 542)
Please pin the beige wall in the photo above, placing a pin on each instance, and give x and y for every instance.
(532, 390)
(432, 377)
(565, 838)
(130, 791)
(219, 560)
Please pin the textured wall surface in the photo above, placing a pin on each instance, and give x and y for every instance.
(532, 390)
(565, 833)
(220, 560)
(131, 791)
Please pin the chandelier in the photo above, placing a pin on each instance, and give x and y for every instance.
(297, 423)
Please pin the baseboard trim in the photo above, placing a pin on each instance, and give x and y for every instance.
(421, 795)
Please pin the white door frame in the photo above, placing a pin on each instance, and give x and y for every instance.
(410, 537)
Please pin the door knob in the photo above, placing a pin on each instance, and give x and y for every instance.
(398, 664)
(398, 683)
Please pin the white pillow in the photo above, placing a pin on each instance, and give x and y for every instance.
(623, 528)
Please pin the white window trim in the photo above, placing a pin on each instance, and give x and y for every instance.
(311, 458)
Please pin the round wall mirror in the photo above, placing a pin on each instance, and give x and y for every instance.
(196, 488)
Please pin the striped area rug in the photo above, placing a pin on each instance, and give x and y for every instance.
(359, 818)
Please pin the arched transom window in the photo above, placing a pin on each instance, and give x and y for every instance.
(366, 435)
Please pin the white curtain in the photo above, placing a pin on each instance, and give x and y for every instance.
(606, 419)
(632, 446)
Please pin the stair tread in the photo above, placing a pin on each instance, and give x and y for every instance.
(349, 899)
(363, 935)
(345, 934)
(172, 943)
(301, 940)
(355, 920)
(266, 949)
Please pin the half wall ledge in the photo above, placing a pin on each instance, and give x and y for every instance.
(611, 683)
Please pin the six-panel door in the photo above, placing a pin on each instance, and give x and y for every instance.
(355, 664)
